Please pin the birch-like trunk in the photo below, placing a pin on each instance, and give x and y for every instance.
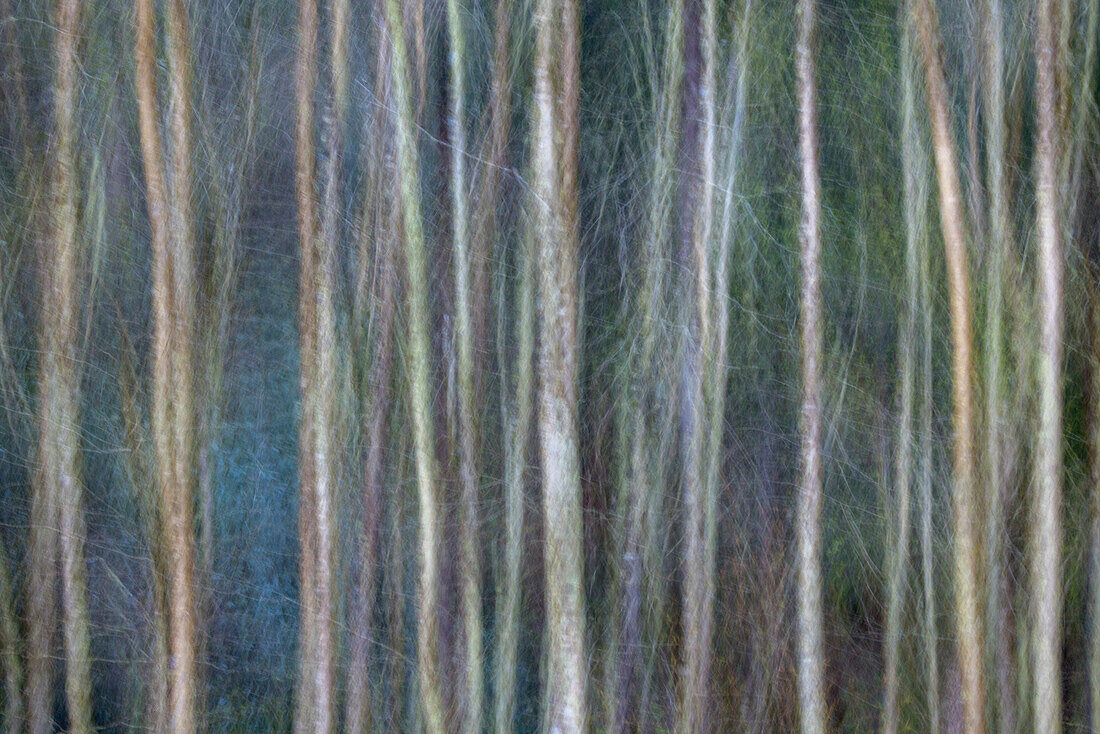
(555, 134)
(952, 219)
(1046, 506)
(811, 654)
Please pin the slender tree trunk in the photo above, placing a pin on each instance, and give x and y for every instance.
(419, 375)
(968, 618)
(178, 500)
(1046, 524)
(927, 552)
(156, 193)
(59, 381)
(469, 459)
(811, 656)
(698, 494)
(59, 386)
(317, 336)
(555, 131)
(305, 85)
(916, 197)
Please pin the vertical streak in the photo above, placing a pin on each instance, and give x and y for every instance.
(469, 477)
(323, 404)
(1046, 560)
(517, 434)
(811, 664)
(915, 213)
(57, 469)
(178, 503)
(952, 219)
(308, 467)
(419, 370)
(555, 161)
(998, 612)
(377, 228)
(699, 142)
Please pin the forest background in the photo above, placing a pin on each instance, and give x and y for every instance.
(532, 364)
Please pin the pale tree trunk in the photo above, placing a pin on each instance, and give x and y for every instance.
(57, 522)
(468, 472)
(698, 493)
(178, 498)
(916, 198)
(58, 458)
(41, 609)
(554, 144)
(317, 339)
(952, 218)
(168, 197)
(811, 655)
(1046, 524)
(419, 382)
(305, 84)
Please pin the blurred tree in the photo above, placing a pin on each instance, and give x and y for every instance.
(1046, 522)
(697, 382)
(953, 223)
(318, 452)
(169, 201)
(554, 166)
(811, 669)
(469, 428)
(57, 514)
(915, 240)
(419, 378)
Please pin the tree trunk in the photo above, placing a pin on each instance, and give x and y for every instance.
(952, 218)
(419, 376)
(317, 357)
(698, 493)
(555, 130)
(811, 656)
(1046, 523)
(916, 197)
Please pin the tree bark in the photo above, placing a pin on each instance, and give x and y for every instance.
(555, 131)
(811, 656)
(952, 219)
(1046, 523)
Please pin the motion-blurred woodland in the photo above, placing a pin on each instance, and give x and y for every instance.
(546, 365)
